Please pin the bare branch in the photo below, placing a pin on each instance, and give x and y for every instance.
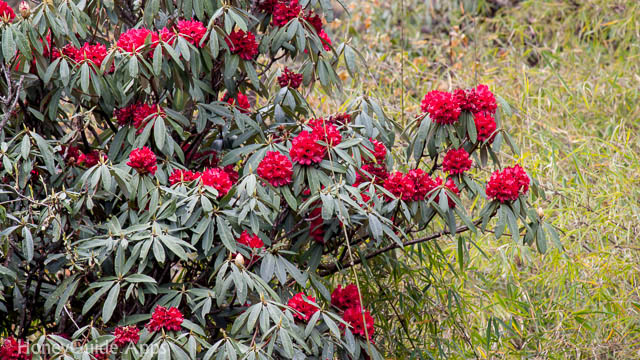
(333, 268)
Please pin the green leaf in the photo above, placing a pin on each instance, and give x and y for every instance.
(84, 77)
(225, 234)
(110, 303)
(27, 243)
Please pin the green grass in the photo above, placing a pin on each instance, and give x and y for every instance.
(572, 72)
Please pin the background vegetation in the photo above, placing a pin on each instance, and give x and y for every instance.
(570, 68)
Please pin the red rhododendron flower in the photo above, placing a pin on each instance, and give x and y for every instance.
(353, 316)
(218, 179)
(192, 30)
(90, 159)
(456, 161)
(243, 43)
(400, 185)
(143, 160)
(126, 335)
(325, 131)
(124, 115)
(477, 101)
(231, 171)
(484, 100)
(179, 175)
(6, 12)
(285, 11)
(93, 53)
(134, 39)
(423, 184)
(451, 186)
(144, 113)
(305, 149)
(252, 241)
(243, 101)
(13, 349)
(485, 127)
(315, 20)
(508, 184)
(442, 107)
(276, 168)
(379, 150)
(345, 298)
(340, 119)
(267, 5)
(378, 172)
(163, 318)
(70, 153)
(167, 36)
(290, 79)
(326, 40)
(316, 225)
(303, 308)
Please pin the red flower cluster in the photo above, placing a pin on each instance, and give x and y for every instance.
(243, 101)
(276, 168)
(143, 160)
(133, 40)
(374, 173)
(252, 241)
(304, 310)
(6, 14)
(126, 335)
(143, 113)
(442, 107)
(218, 179)
(267, 5)
(508, 184)
(354, 317)
(191, 30)
(326, 40)
(423, 184)
(243, 43)
(340, 119)
(163, 318)
(325, 131)
(13, 349)
(92, 53)
(90, 159)
(456, 161)
(400, 185)
(305, 149)
(137, 115)
(290, 79)
(179, 175)
(477, 101)
(345, 298)
(417, 185)
(379, 151)
(485, 127)
(315, 20)
(70, 154)
(285, 11)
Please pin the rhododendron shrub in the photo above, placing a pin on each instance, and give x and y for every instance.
(168, 192)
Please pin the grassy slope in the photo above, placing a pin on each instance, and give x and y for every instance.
(573, 73)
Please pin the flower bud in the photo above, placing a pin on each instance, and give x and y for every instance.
(25, 9)
(540, 213)
(239, 260)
